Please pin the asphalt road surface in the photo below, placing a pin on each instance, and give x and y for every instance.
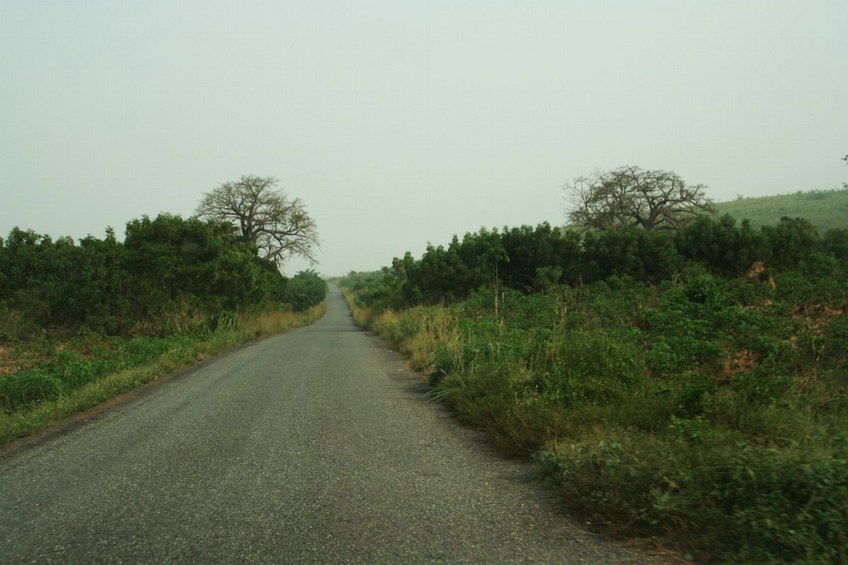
(316, 446)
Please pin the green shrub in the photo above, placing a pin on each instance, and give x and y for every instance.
(305, 290)
(729, 502)
(689, 392)
(25, 388)
(799, 511)
(610, 480)
(780, 507)
(594, 366)
(497, 400)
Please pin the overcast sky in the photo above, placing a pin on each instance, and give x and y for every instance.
(400, 122)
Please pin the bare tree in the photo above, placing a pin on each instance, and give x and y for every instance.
(630, 196)
(277, 225)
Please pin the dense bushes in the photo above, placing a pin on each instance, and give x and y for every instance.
(669, 395)
(733, 502)
(169, 274)
(305, 290)
(532, 260)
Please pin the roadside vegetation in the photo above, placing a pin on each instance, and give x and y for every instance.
(81, 322)
(53, 377)
(688, 385)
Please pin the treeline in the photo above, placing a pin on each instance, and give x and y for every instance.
(533, 259)
(169, 275)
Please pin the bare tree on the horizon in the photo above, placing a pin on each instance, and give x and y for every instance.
(630, 196)
(278, 226)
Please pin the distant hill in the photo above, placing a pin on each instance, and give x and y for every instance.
(825, 209)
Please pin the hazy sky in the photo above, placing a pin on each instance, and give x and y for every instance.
(401, 122)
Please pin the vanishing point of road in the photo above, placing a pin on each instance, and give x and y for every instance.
(315, 446)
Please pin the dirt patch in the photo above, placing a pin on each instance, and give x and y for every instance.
(818, 315)
(742, 361)
(7, 364)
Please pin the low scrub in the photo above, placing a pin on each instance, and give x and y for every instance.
(733, 500)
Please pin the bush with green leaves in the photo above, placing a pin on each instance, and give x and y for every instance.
(594, 366)
(720, 245)
(305, 290)
(726, 500)
(169, 273)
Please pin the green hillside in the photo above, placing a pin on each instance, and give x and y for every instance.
(826, 209)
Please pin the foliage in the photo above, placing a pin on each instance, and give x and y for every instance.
(630, 196)
(742, 503)
(719, 245)
(305, 290)
(540, 259)
(630, 252)
(175, 260)
(168, 275)
(53, 369)
(267, 219)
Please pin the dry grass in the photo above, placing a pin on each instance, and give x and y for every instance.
(270, 323)
(437, 328)
(6, 363)
(362, 317)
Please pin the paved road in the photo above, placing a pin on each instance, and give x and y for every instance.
(316, 446)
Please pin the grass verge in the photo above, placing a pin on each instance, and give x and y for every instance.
(83, 372)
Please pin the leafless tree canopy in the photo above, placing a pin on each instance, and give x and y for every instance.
(629, 196)
(276, 224)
